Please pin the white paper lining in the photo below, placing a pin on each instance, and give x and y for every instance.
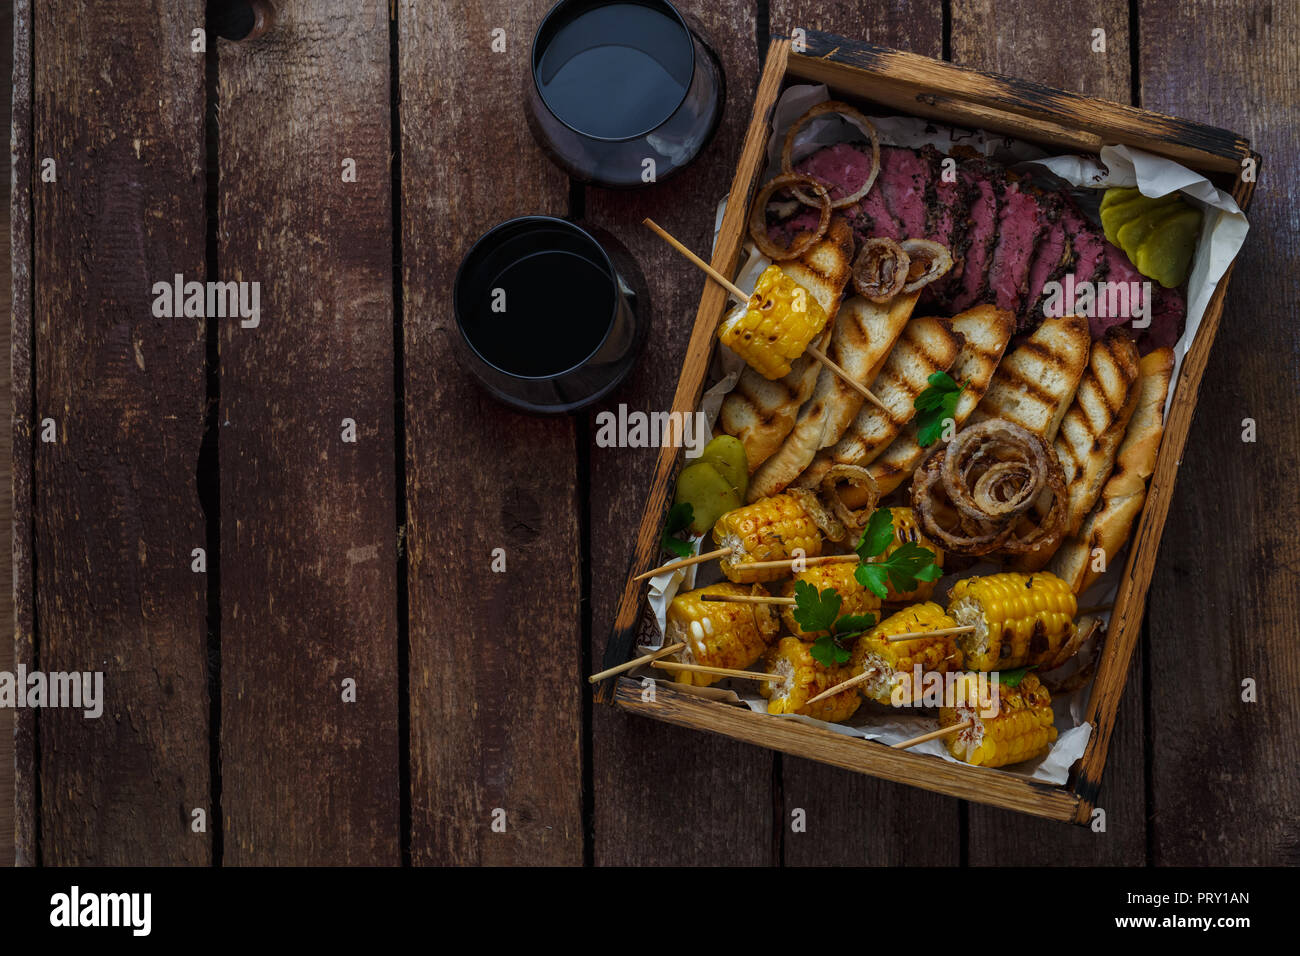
(1223, 231)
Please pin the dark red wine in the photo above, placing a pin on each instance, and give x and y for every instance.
(542, 314)
(617, 71)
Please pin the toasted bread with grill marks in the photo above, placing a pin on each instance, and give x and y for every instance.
(1110, 523)
(761, 412)
(864, 334)
(985, 331)
(927, 345)
(1035, 384)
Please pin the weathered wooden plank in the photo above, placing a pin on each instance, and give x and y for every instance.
(116, 514)
(1223, 771)
(850, 818)
(1015, 38)
(719, 791)
(17, 763)
(495, 700)
(308, 517)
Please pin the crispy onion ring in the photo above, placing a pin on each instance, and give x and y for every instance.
(929, 261)
(758, 217)
(858, 478)
(850, 115)
(1002, 488)
(880, 270)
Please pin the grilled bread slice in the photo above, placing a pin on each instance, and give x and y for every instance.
(986, 330)
(1035, 384)
(927, 345)
(1108, 526)
(864, 334)
(761, 412)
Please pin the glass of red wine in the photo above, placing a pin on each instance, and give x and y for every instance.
(551, 314)
(622, 93)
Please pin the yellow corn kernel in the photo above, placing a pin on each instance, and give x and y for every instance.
(908, 530)
(782, 317)
(888, 661)
(854, 598)
(804, 679)
(1020, 619)
(768, 530)
(1024, 728)
(718, 633)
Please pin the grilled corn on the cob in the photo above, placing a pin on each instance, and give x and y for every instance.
(888, 661)
(782, 317)
(772, 529)
(1022, 730)
(908, 530)
(804, 679)
(718, 633)
(854, 598)
(1020, 619)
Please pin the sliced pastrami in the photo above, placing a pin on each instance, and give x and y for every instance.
(987, 182)
(844, 167)
(948, 209)
(1049, 263)
(1021, 220)
(1168, 319)
(903, 181)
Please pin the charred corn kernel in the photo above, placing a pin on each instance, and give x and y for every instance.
(908, 530)
(854, 598)
(718, 633)
(1020, 619)
(892, 663)
(1023, 729)
(803, 679)
(768, 530)
(782, 317)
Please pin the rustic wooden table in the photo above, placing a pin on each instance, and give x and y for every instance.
(330, 561)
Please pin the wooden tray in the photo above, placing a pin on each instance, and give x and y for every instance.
(909, 84)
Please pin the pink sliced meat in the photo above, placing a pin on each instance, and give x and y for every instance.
(903, 182)
(1021, 220)
(987, 182)
(1049, 263)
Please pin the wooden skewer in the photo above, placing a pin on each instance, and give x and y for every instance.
(684, 563)
(843, 685)
(941, 632)
(712, 273)
(721, 671)
(789, 562)
(857, 386)
(743, 297)
(748, 598)
(941, 732)
(643, 659)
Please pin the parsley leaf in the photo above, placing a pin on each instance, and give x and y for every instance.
(1013, 678)
(877, 535)
(680, 517)
(851, 625)
(909, 564)
(813, 611)
(826, 650)
(935, 405)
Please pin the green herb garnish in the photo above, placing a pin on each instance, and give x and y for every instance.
(909, 564)
(814, 611)
(935, 406)
(680, 517)
(1013, 678)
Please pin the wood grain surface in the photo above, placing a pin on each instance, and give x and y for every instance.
(116, 513)
(1225, 599)
(1058, 51)
(719, 791)
(495, 658)
(309, 533)
(852, 819)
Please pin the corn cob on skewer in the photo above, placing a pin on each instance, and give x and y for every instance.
(887, 660)
(721, 634)
(908, 530)
(1023, 729)
(781, 318)
(1020, 619)
(805, 678)
(771, 529)
(854, 598)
